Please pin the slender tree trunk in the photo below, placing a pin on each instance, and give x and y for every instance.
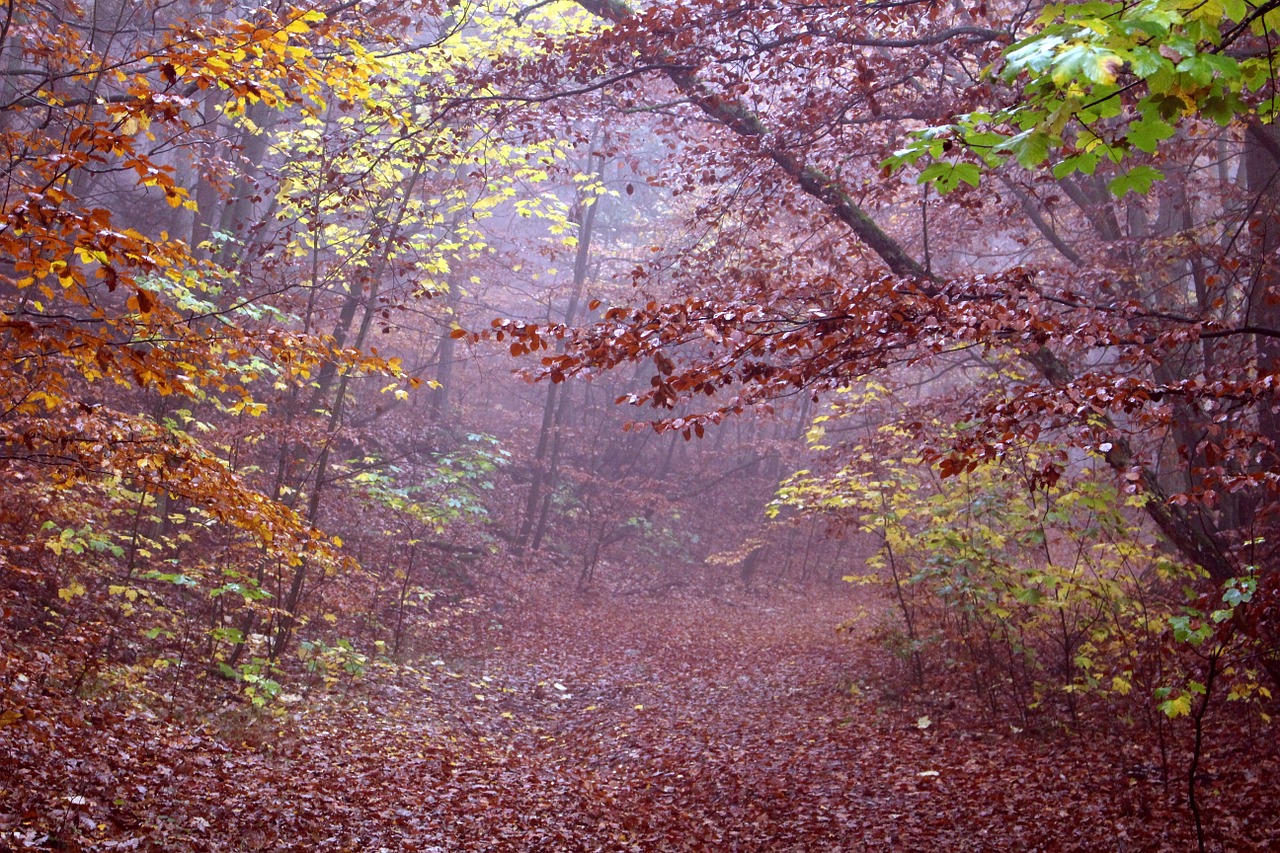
(292, 601)
(555, 411)
(237, 215)
(446, 354)
(1262, 169)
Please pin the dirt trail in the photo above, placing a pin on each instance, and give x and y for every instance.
(677, 724)
(730, 726)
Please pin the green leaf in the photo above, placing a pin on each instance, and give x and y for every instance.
(1029, 595)
(1147, 134)
(1145, 61)
(1235, 10)
(1106, 103)
(945, 177)
(984, 144)
(228, 635)
(1183, 631)
(175, 578)
(1096, 64)
(1032, 55)
(1030, 147)
(1086, 162)
(1222, 109)
(1204, 67)
(1235, 596)
(1138, 179)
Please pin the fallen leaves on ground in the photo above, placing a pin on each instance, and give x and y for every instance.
(673, 724)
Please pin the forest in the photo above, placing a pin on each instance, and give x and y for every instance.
(734, 425)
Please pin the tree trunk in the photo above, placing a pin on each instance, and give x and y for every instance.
(546, 458)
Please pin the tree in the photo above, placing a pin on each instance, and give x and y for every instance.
(103, 309)
(1144, 324)
(174, 411)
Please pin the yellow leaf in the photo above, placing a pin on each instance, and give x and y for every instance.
(67, 593)
(1174, 708)
(133, 124)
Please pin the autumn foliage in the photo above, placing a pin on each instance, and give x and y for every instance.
(540, 401)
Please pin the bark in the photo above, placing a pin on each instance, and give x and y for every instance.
(1262, 179)
(446, 354)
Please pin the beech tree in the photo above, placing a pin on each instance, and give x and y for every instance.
(1141, 324)
(218, 217)
(105, 306)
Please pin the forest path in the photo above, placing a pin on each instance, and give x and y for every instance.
(632, 724)
(694, 724)
(718, 725)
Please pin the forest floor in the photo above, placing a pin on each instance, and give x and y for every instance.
(729, 723)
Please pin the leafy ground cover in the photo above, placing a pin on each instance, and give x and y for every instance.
(736, 722)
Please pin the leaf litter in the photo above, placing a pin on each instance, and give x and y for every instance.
(681, 723)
